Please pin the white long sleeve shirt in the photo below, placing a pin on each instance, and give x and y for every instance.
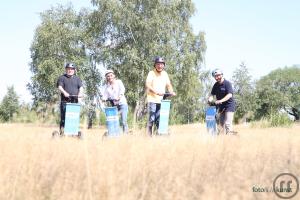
(114, 91)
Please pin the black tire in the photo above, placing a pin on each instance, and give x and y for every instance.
(80, 135)
(104, 136)
(55, 134)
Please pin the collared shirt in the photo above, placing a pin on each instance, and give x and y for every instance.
(158, 81)
(71, 84)
(221, 90)
(114, 91)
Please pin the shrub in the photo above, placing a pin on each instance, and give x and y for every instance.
(273, 120)
(280, 119)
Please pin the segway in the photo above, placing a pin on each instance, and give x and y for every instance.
(211, 119)
(72, 120)
(165, 105)
(112, 118)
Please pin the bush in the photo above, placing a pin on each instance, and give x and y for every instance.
(26, 116)
(280, 119)
(273, 120)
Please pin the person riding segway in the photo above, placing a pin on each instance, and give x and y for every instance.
(71, 89)
(156, 83)
(222, 90)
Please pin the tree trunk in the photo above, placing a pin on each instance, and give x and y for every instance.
(140, 111)
(91, 117)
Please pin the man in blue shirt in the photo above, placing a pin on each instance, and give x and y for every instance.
(223, 92)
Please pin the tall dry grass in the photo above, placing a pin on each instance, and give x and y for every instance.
(187, 165)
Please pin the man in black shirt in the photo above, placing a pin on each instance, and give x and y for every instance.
(223, 91)
(70, 87)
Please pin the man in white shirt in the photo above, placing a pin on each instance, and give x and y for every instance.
(114, 91)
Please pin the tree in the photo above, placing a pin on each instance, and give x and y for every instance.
(127, 35)
(60, 38)
(279, 90)
(57, 40)
(9, 105)
(243, 91)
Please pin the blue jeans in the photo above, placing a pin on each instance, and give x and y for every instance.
(123, 109)
(154, 114)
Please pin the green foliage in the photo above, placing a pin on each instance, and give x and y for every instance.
(273, 120)
(9, 105)
(57, 40)
(127, 35)
(243, 92)
(60, 38)
(280, 119)
(124, 36)
(26, 115)
(279, 90)
(262, 123)
(102, 119)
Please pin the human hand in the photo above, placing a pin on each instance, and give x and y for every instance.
(66, 94)
(116, 102)
(159, 93)
(218, 102)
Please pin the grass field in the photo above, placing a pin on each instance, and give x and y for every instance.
(187, 165)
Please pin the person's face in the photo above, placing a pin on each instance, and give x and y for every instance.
(219, 78)
(159, 67)
(110, 77)
(70, 71)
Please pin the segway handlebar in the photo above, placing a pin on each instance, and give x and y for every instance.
(78, 96)
(167, 95)
(213, 103)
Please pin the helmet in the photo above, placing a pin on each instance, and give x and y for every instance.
(70, 65)
(109, 71)
(216, 72)
(159, 60)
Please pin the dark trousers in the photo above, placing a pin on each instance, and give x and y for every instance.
(62, 115)
(63, 110)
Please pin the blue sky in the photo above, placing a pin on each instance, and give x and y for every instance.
(263, 34)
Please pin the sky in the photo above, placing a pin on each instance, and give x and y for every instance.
(265, 35)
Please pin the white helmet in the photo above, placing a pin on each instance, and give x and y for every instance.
(216, 72)
(109, 71)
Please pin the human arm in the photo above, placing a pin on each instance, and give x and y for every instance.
(226, 98)
(170, 89)
(60, 85)
(65, 93)
(210, 98)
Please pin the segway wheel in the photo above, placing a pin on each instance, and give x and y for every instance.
(80, 135)
(55, 134)
(105, 135)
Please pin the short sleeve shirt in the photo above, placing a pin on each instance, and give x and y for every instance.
(221, 90)
(70, 84)
(158, 82)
